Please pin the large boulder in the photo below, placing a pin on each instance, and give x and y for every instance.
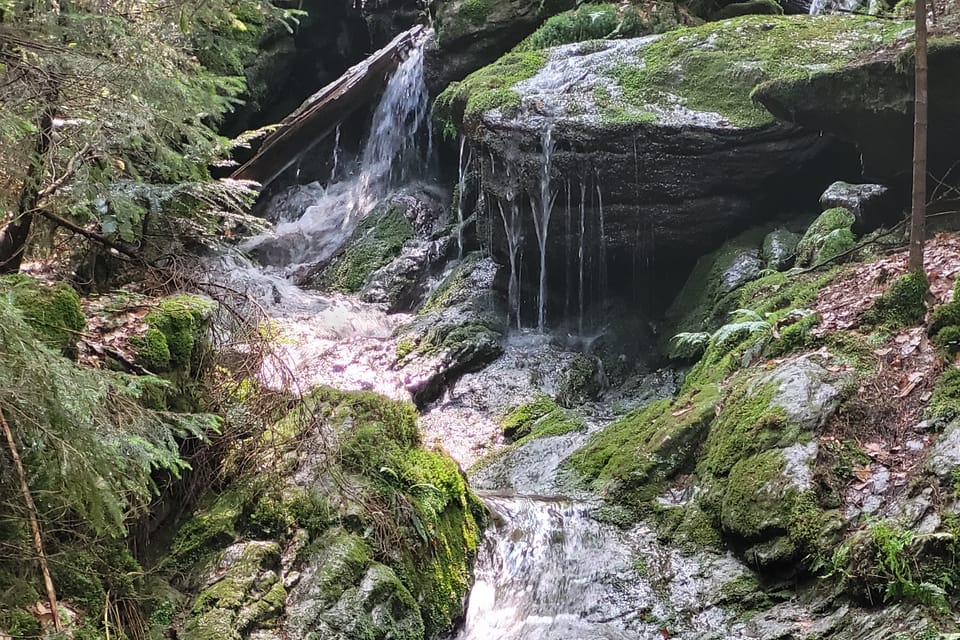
(312, 541)
(870, 204)
(666, 121)
(870, 103)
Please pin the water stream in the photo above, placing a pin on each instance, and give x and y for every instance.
(547, 569)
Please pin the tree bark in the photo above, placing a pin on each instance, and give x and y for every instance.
(13, 237)
(919, 211)
(34, 523)
(320, 114)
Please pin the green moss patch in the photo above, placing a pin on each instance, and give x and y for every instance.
(539, 418)
(647, 446)
(377, 240)
(587, 22)
(176, 338)
(463, 103)
(53, 310)
(827, 237)
(903, 304)
(715, 67)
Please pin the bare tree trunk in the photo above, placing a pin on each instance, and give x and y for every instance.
(34, 523)
(919, 213)
(13, 237)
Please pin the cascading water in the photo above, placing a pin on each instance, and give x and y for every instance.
(514, 234)
(818, 7)
(547, 572)
(393, 154)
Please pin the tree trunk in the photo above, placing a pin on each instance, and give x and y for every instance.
(919, 212)
(34, 523)
(320, 114)
(13, 237)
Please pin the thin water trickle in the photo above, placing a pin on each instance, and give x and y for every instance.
(580, 257)
(514, 235)
(541, 219)
(336, 155)
(461, 189)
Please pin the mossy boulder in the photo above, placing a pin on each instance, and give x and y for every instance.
(474, 33)
(539, 418)
(376, 541)
(700, 305)
(377, 240)
(177, 336)
(869, 101)
(827, 237)
(632, 457)
(749, 7)
(780, 249)
(581, 381)
(52, 309)
(344, 593)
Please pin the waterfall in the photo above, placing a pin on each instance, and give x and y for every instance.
(818, 7)
(393, 154)
(603, 244)
(541, 220)
(336, 155)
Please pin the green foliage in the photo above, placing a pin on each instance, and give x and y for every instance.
(88, 444)
(749, 7)
(903, 304)
(136, 110)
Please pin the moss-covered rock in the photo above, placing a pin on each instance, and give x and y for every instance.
(630, 458)
(390, 556)
(541, 417)
(52, 309)
(459, 329)
(904, 304)
(177, 334)
(749, 7)
(581, 381)
(377, 239)
(828, 236)
(780, 249)
(715, 276)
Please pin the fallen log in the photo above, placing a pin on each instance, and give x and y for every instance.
(320, 114)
